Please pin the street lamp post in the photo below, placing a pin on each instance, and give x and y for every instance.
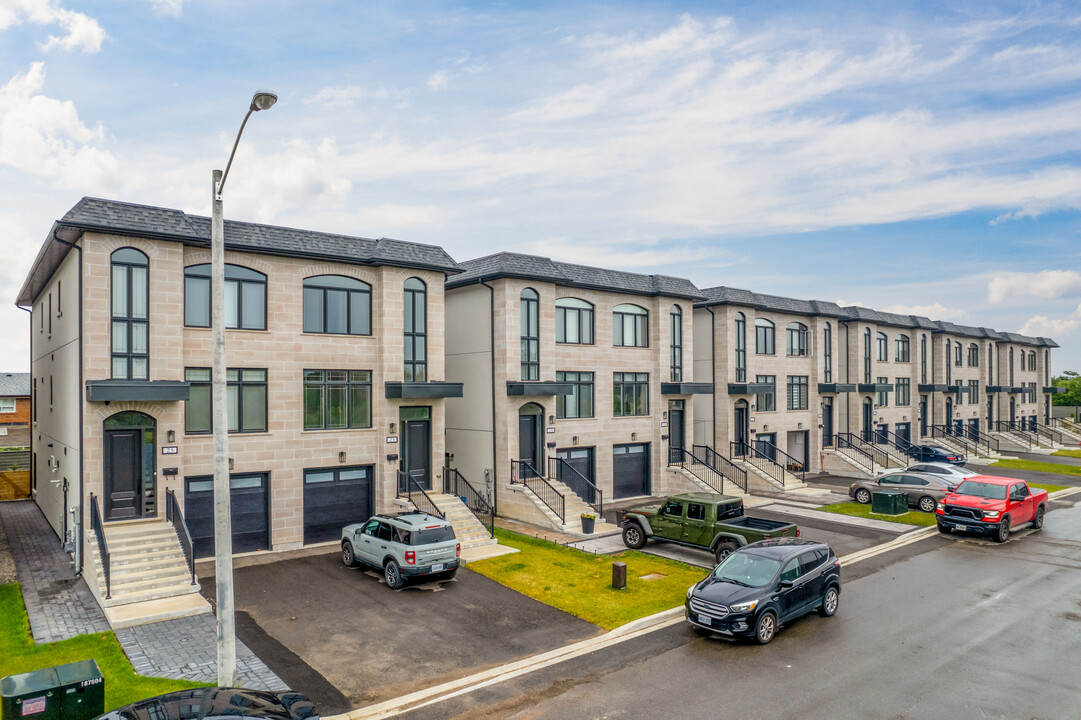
(223, 524)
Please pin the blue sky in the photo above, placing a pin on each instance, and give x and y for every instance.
(904, 156)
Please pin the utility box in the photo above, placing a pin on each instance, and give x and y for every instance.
(889, 502)
(75, 691)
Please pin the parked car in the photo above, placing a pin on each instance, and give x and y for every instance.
(704, 521)
(991, 506)
(924, 490)
(405, 546)
(955, 473)
(217, 703)
(760, 587)
(935, 453)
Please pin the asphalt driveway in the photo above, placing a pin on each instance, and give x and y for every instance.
(340, 636)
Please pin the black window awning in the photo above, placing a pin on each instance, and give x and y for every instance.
(538, 388)
(686, 388)
(750, 388)
(422, 390)
(875, 387)
(834, 388)
(933, 387)
(137, 390)
(1054, 390)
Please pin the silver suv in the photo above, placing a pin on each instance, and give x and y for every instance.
(405, 545)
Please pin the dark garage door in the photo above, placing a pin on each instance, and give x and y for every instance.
(630, 470)
(334, 498)
(250, 511)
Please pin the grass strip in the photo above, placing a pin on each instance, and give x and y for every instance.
(855, 509)
(1038, 466)
(1068, 453)
(1048, 487)
(19, 654)
(580, 583)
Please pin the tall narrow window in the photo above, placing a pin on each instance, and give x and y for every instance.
(883, 395)
(245, 297)
(883, 347)
(923, 358)
(1047, 368)
(130, 318)
(957, 354)
(992, 379)
(574, 321)
(1032, 361)
(797, 392)
(416, 330)
(741, 348)
(973, 392)
(1011, 367)
(530, 334)
(948, 363)
(796, 339)
(677, 344)
(338, 305)
(902, 392)
(973, 355)
(827, 353)
(763, 337)
(867, 355)
(630, 326)
(901, 353)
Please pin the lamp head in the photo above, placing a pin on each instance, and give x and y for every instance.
(263, 100)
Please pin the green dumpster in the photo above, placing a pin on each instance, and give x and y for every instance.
(75, 691)
(889, 502)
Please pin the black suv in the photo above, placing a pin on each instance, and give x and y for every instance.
(764, 585)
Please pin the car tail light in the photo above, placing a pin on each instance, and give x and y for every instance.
(411, 557)
(458, 550)
(797, 532)
(768, 537)
(951, 457)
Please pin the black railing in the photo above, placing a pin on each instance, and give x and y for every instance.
(696, 465)
(873, 448)
(950, 434)
(567, 474)
(1064, 424)
(751, 453)
(790, 464)
(523, 473)
(899, 442)
(409, 488)
(1015, 433)
(982, 439)
(454, 483)
(173, 515)
(103, 547)
(1045, 432)
(848, 444)
(731, 472)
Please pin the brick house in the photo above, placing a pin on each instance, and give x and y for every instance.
(14, 399)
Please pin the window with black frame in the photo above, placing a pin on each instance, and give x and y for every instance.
(973, 392)
(676, 350)
(579, 403)
(245, 297)
(337, 305)
(630, 394)
(530, 334)
(130, 317)
(763, 337)
(867, 355)
(827, 354)
(741, 348)
(902, 392)
(415, 331)
(796, 339)
(630, 326)
(883, 397)
(797, 392)
(973, 355)
(923, 358)
(574, 321)
(337, 399)
(246, 400)
(765, 400)
(901, 351)
(883, 347)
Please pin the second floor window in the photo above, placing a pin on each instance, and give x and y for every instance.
(130, 316)
(416, 330)
(957, 354)
(827, 354)
(883, 347)
(574, 321)
(903, 392)
(1032, 361)
(630, 394)
(741, 348)
(579, 404)
(245, 297)
(867, 355)
(797, 392)
(923, 358)
(765, 401)
(337, 305)
(973, 355)
(630, 326)
(973, 392)
(530, 312)
(949, 364)
(763, 337)
(883, 396)
(677, 344)
(246, 393)
(991, 379)
(901, 350)
(796, 339)
(335, 399)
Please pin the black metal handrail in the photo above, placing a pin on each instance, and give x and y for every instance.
(523, 473)
(454, 483)
(103, 547)
(981, 438)
(793, 466)
(950, 434)
(415, 494)
(567, 474)
(697, 466)
(173, 515)
(1015, 433)
(849, 441)
(731, 472)
(874, 448)
(899, 442)
(749, 452)
(1053, 435)
(1064, 424)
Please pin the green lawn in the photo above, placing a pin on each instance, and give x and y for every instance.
(581, 583)
(1068, 453)
(1038, 466)
(913, 517)
(1048, 487)
(19, 654)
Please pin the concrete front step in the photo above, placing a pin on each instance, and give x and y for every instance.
(156, 610)
(127, 598)
(148, 572)
(730, 488)
(857, 466)
(128, 532)
(138, 584)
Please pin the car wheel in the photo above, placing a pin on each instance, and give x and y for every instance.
(724, 549)
(765, 628)
(393, 575)
(927, 504)
(633, 536)
(944, 530)
(1037, 520)
(348, 558)
(830, 600)
(1003, 533)
(863, 496)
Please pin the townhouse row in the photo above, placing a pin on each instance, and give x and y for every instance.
(364, 371)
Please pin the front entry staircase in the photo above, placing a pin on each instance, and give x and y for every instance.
(557, 501)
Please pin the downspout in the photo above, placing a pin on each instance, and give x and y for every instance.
(712, 366)
(495, 449)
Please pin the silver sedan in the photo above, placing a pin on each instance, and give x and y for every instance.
(955, 473)
(924, 490)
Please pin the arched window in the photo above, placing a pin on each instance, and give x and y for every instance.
(867, 355)
(530, 312)
(883, 347)
(763, 337)
(741, 348)
(574, 321)
(973, 355)
(827, 353)
(245, 297)
(630, 326)
(130, 314)
(901, 348)
(1032, 361)
(676, 321)
(796, 339)
(337, 305)
(416, 330)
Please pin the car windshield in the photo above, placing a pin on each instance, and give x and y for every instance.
(746, 569)
(982, 489)
(429, 536)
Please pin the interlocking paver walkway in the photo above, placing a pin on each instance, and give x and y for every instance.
(59, 604)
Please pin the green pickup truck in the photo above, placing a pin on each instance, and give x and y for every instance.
(706, 521)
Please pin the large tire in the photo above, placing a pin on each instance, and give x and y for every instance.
(393, 575)
(928, 504)
(348, 558)
(634, 536)
(1003, 532)
(765, 628)
(724, 549)
(863, 496)
(830, 600)
(1037, 519)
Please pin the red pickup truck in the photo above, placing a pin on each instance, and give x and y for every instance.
(991, 506)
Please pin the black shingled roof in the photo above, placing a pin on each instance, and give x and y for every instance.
(534, 267)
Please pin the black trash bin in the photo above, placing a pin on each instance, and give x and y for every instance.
(889, 502)
(75, 691)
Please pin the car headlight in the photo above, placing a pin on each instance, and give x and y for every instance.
(940, 506)
(991, 514)
(744, 607)
(690, 590)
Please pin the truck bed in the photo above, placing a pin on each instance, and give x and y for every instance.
(760, 524)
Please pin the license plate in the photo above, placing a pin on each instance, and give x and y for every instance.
(960, 527)
(705, 619)
(438, 568)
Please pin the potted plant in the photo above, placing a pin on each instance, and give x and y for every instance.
(588, 519)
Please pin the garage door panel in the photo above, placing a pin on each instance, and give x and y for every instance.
(249, 511)
(334, 498)
(630, 470)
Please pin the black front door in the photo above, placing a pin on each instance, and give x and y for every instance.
(923, 416)
(1013, 413)
(827, 422)
(675, 431)
(123, 474)
(416, 459)
(990, 413)
(528, 427)
(949, 414)
(742, 425)
(904, 435)
(867, 419)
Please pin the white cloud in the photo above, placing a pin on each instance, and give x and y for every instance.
(934, 311)
(81, 32)
(438, 80)
(1043, 285)
(1043, 326)
(172, 8)
(349, 95)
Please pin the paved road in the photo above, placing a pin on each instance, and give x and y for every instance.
(966, 629)
(1054, 459)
